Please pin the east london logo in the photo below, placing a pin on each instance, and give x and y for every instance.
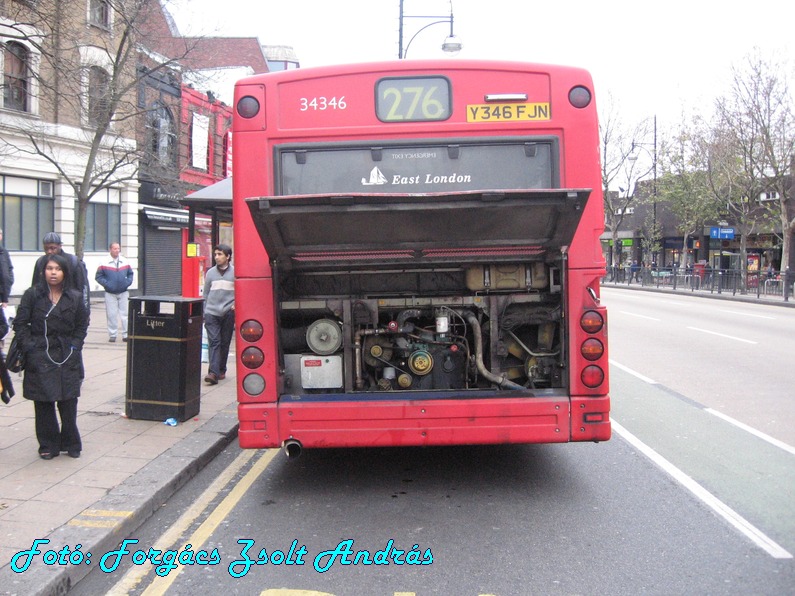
(377, 178)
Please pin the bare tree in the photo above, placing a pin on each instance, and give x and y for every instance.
(726, 163)
(621, 169)
(757, 119)
(86, 82)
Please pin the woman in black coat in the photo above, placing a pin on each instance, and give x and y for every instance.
(52, 324)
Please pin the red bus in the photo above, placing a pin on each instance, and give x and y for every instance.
(417, 256)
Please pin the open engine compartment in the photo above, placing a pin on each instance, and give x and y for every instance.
(431, 293)
(474, 327)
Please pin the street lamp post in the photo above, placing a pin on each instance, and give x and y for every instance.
(451, 44)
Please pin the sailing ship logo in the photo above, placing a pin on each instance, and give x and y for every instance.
(376, 178)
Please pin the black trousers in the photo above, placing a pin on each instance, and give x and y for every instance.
(54, 438)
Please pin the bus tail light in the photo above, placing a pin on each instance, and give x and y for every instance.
(592, 376)
(248, 106)
(252, 357)
(594, 417)
(592, 349)
(591, 321)
(251, 330)
(253, 384)
(579, 97)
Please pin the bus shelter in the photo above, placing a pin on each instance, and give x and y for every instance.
(213, 202)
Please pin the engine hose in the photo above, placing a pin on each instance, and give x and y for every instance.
(501, 382)
(357, 353)
(411, 313)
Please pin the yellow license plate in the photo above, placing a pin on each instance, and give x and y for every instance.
(507, 112)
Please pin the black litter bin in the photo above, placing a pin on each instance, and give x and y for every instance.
(164, 352)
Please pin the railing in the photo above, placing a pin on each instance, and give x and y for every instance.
(747, 282)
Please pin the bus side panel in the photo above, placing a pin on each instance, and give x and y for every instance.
(259, 426)
(590, 418)
(590, 406)
(580, 165)
(586, 248)
(251, 260)
(580, 301)
(419, 423)
(256, 296)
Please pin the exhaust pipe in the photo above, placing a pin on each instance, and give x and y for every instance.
(292, 449)
(501, 382)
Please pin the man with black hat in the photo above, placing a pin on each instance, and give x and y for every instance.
(53, 246)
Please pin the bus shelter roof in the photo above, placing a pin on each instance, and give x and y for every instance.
(216, 198)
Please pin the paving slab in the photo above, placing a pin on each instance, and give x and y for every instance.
(126, 470)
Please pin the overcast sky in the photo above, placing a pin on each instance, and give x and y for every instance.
(651, 57)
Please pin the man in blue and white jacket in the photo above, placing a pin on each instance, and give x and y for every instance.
(115, 275)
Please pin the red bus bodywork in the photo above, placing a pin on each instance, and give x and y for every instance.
(415, 268)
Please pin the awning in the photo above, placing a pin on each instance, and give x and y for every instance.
(165, 217)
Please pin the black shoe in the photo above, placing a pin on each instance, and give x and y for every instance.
(74, 453)
(124, 339)
(112, 339)
(47, 455)
(211, 379)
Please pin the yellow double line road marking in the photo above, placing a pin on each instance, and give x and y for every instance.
(161, 584)
(112, 518)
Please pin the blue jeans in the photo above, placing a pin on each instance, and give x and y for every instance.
(219, 336)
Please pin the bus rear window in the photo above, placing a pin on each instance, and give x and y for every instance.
(419, 168)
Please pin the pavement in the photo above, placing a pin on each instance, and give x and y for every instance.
(752, 296)
(127, 469)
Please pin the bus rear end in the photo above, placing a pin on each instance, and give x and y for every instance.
(421, 266)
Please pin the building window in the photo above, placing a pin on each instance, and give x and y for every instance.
(162, 138)
(103, 220)
(98, 93)
(16, 79)
(769, 196)
(99, 13)
(276, 65)
(27, 212)
(227, 150)
(200, 142)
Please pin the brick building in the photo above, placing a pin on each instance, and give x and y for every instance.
(168, 133)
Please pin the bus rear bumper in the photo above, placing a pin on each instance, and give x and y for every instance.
(424, 422)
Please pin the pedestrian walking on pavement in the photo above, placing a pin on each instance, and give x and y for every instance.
(52, 324)
(634, 272)
(53, 246)
(115, 275)
(6, 274)
(219, 312)
(6, 385)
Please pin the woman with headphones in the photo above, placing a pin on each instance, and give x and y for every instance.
(52, 324)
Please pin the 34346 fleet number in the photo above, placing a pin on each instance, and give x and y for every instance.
(323, 103)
